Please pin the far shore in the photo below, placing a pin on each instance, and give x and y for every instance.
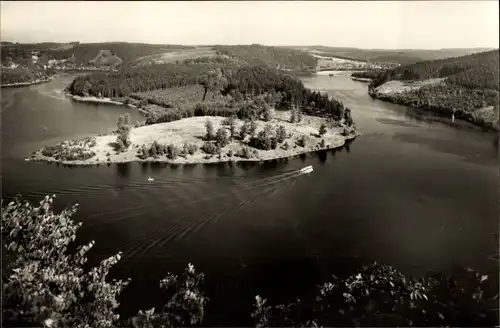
(361, 79)
(25, 84)
(103, 100)
(391, 91)
(191, 131)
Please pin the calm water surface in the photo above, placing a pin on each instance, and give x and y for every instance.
(412, 191)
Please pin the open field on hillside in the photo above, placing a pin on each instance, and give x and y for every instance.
(174, 55)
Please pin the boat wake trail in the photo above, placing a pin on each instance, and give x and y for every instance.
(244, 186)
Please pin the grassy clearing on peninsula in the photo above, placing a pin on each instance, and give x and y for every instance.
(301, 138)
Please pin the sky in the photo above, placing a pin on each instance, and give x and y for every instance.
(363, 24)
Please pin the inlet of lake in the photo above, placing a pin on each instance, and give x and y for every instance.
(413, 191)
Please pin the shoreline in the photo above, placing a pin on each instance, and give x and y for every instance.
(26, 84)
(182, 161)
(389, 92)
(96, 100)
(361, 79)
(190, 131)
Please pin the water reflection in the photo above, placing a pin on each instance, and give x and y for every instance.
(322, 155)
(144, 167)
(347, 146)
(123, 170)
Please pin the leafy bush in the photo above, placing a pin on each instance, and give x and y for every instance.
(221, 137)
(184, 307)
(380, 295)
(322, 129)
(230, 122)
(123, 133)
(210, 130)
(252, 128)
(189, 149)
(265, 139)
(281, 134)
(210, 148)
(172, 151)
(46, 282)
(347, 117)
(65, 152)
(245, 129)
(267, 113)
(245, 152)
(47, 285)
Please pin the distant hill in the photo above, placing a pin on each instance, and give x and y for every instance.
(399, 56)
(275, 57)
(84, 53)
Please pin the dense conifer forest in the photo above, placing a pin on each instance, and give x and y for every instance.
(272, 56)
(469, 88)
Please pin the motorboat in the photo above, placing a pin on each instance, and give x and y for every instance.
(151, 179)
(307, 169)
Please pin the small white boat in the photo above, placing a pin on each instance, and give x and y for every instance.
(151, 179)
(307, 169)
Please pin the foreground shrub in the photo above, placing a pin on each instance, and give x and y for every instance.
(185, 304)
(46, 285)
(380, 295)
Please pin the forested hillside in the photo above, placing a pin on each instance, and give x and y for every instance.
(22, 75)
(478, 71)
(148, 78)
(272, 56)
(470, 87)
(235, 88)
(126, 51)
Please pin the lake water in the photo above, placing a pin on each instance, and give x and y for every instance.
(412, 191)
